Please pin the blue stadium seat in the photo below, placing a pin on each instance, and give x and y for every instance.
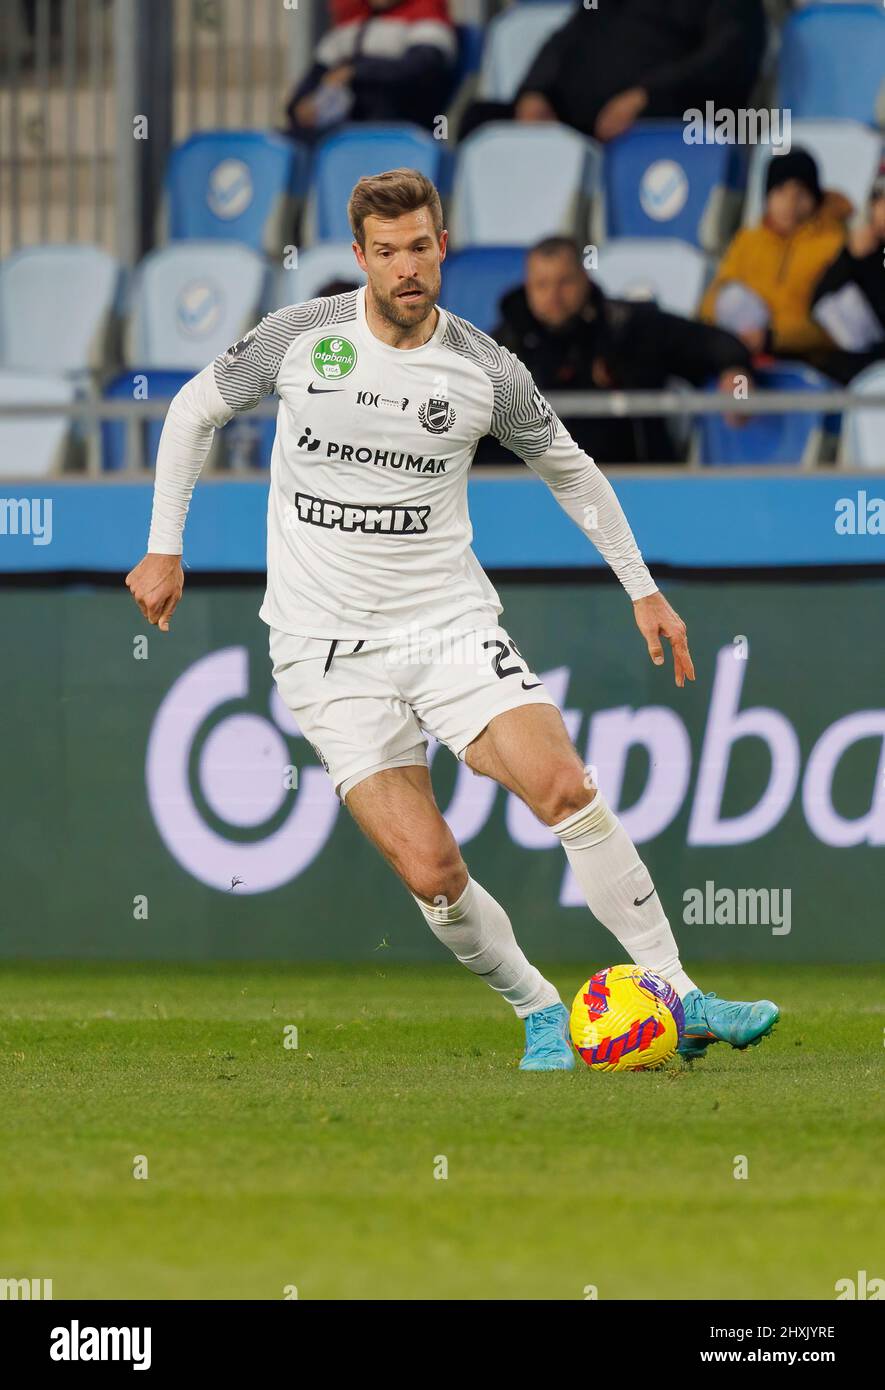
(35, 447)
(192, 299)
(513, 41)
(471, 41)
(559, 171)
(247, 441)
(330, 260)
(863, 435)
(354, 150)
(236, 185)
(789, 439)
(56, 308)
(656, 185)
(847, 154)
(151, 385)
(832, 63)
(473, 282)
(670, 272)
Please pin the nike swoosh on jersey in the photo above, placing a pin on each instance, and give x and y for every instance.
(534, 685)
(637, 902)
(323, 390)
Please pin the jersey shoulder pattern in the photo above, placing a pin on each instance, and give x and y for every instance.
(248, 370)
(521, 419)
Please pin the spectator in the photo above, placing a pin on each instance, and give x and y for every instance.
(573, 338)
(763, 287)
(340, 286)
(849, 301)
(382, 60)
(606, 67)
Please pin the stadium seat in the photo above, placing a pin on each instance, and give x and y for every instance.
(832, 63)
(190, 300)
(35, 447)
(558, 171)
(513, 40)
(116, 440)
(246, 441)
(346, 155)
(56, 308)
(471, 43)
(655, 185)
(863, 436)
(332, 260)
(847, 153)
(474, 280)
(791, 439)
(670, 272)
(236, 185)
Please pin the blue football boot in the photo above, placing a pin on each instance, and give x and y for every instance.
(547, 1046)
(709, 1019)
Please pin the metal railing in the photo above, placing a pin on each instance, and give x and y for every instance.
(90, 413)
(565, 403)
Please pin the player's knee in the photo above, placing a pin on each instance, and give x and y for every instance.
(437, 875)
(566, 791)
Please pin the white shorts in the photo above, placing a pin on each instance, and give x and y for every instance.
(366, 706)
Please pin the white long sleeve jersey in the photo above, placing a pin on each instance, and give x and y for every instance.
(368, 532)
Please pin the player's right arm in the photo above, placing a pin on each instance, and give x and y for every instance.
(237, 380)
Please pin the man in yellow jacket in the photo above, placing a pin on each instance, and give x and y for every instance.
(780, 261)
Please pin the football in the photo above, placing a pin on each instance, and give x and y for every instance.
(626, 1018)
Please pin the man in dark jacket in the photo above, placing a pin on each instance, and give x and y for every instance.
(573, 338)
(849, 301)
(607, 67)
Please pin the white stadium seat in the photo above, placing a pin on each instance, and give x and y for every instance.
(513, 41)
(670, 272)
(56, 306)
(33, 447)
(191, 300)
(863, 432)
(558, 171)
(333, 260)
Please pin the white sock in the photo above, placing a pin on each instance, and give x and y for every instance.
(613, 877)
(477, 931)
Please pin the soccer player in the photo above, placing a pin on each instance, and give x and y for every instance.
(383, 626)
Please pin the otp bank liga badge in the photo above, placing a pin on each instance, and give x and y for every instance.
(333, 358)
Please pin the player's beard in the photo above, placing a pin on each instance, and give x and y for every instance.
(399, 314)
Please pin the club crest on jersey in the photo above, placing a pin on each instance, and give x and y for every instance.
(333, 358)
(436, 416)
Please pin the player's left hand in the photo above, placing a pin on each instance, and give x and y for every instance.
(656, 619)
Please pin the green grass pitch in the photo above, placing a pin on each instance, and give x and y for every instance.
(314, 1167)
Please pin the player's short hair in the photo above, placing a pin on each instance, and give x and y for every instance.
(390, 195)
